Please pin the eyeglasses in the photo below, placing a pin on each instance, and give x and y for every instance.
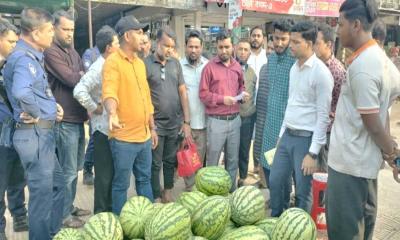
(162, 72)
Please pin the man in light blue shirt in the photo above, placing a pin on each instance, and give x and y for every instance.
(88, 93)
(192, 66)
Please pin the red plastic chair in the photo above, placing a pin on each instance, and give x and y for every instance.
(319, 184)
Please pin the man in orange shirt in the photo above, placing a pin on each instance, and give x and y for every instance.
(126, 97)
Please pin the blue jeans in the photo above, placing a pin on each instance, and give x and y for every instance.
(12, 181)
(288, 158)
(130, 157)
(70, 142)
(36, 149)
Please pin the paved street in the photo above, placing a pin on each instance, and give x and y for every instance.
(388, 222)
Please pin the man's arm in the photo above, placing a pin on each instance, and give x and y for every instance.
(111, 77)
(60, 69)
(88, 82)
(323, 90)
(22, 86)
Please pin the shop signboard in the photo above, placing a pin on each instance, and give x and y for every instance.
(274, 6)
(323, 8)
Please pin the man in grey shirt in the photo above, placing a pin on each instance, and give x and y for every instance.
(171, 110)
(88, 93)
(192, 66)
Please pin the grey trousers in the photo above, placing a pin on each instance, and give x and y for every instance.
(220, 134)
(351, 206)
(200, 138)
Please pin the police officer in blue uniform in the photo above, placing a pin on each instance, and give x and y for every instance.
(35, 111)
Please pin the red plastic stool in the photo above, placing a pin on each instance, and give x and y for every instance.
(318, 185)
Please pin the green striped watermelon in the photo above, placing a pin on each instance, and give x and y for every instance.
(198, 238)
(247, 205)
(230, 226)
(172, 222)
(295, 224)
(246, 233)
(68, 234)
(210, 217)
(191, 200)
(133, 216)
(267, 224)
(213, 181)
(103, 226)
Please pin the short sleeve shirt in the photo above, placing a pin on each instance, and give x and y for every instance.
(164, 82)
(372, 84)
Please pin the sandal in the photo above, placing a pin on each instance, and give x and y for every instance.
(73, 222)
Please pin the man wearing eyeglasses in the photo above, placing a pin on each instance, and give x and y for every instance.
(171, 110)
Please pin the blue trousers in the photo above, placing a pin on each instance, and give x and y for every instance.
(70, 142)
(130, 157)
(288, 158)
(89, 155)
(13, 182)
(36, 149)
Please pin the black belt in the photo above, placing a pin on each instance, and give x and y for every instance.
(46, 124)
(225, 117)
(299, 133)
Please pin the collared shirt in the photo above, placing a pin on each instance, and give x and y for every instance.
(124, 80)
(309, 103)
(257, 61)
(63, 67)
(164, 82)
(372, 84)
(88, 93)
(4, 111)
(339, 76)
(26, 84)
(250, 79)
(90, 56)
(192, 76)
(218, 81)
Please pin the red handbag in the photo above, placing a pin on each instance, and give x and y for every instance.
(188, 159)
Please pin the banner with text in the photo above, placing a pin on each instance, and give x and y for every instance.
(274, 6)
(323, 8)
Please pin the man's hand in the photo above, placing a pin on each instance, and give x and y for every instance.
(228, 100)
(309, 165)
(99, 109)
(27, 118)
(60, 113)
(187, 131)
(390, 157)
(154, 139)
(113, 122)
(246, 97)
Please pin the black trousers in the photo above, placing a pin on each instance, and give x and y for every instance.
(351, 206)
(164, 156)
(246, 133)
(104, 172)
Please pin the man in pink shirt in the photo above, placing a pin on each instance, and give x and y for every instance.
(221, 91)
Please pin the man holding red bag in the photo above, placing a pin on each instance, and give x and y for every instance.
(192, 66)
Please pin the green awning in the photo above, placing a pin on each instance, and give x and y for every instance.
(17, 6)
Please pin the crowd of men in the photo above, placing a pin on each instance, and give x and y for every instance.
(296, 97)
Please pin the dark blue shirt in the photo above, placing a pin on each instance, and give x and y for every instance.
(4, 111)
(90, 56)
(26, 84)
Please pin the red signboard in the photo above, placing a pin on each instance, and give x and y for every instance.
(323, 8)
(274, 6)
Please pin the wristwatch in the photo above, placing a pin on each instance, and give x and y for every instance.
(313, 155)
(186, 122)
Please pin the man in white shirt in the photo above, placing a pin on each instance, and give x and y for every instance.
(192, 66)
(303, 130)
(88, 93)
(359, 140)
(258, 57)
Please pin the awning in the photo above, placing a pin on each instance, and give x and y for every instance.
(17, 6)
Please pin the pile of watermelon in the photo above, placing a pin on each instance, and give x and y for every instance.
(210, 212)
